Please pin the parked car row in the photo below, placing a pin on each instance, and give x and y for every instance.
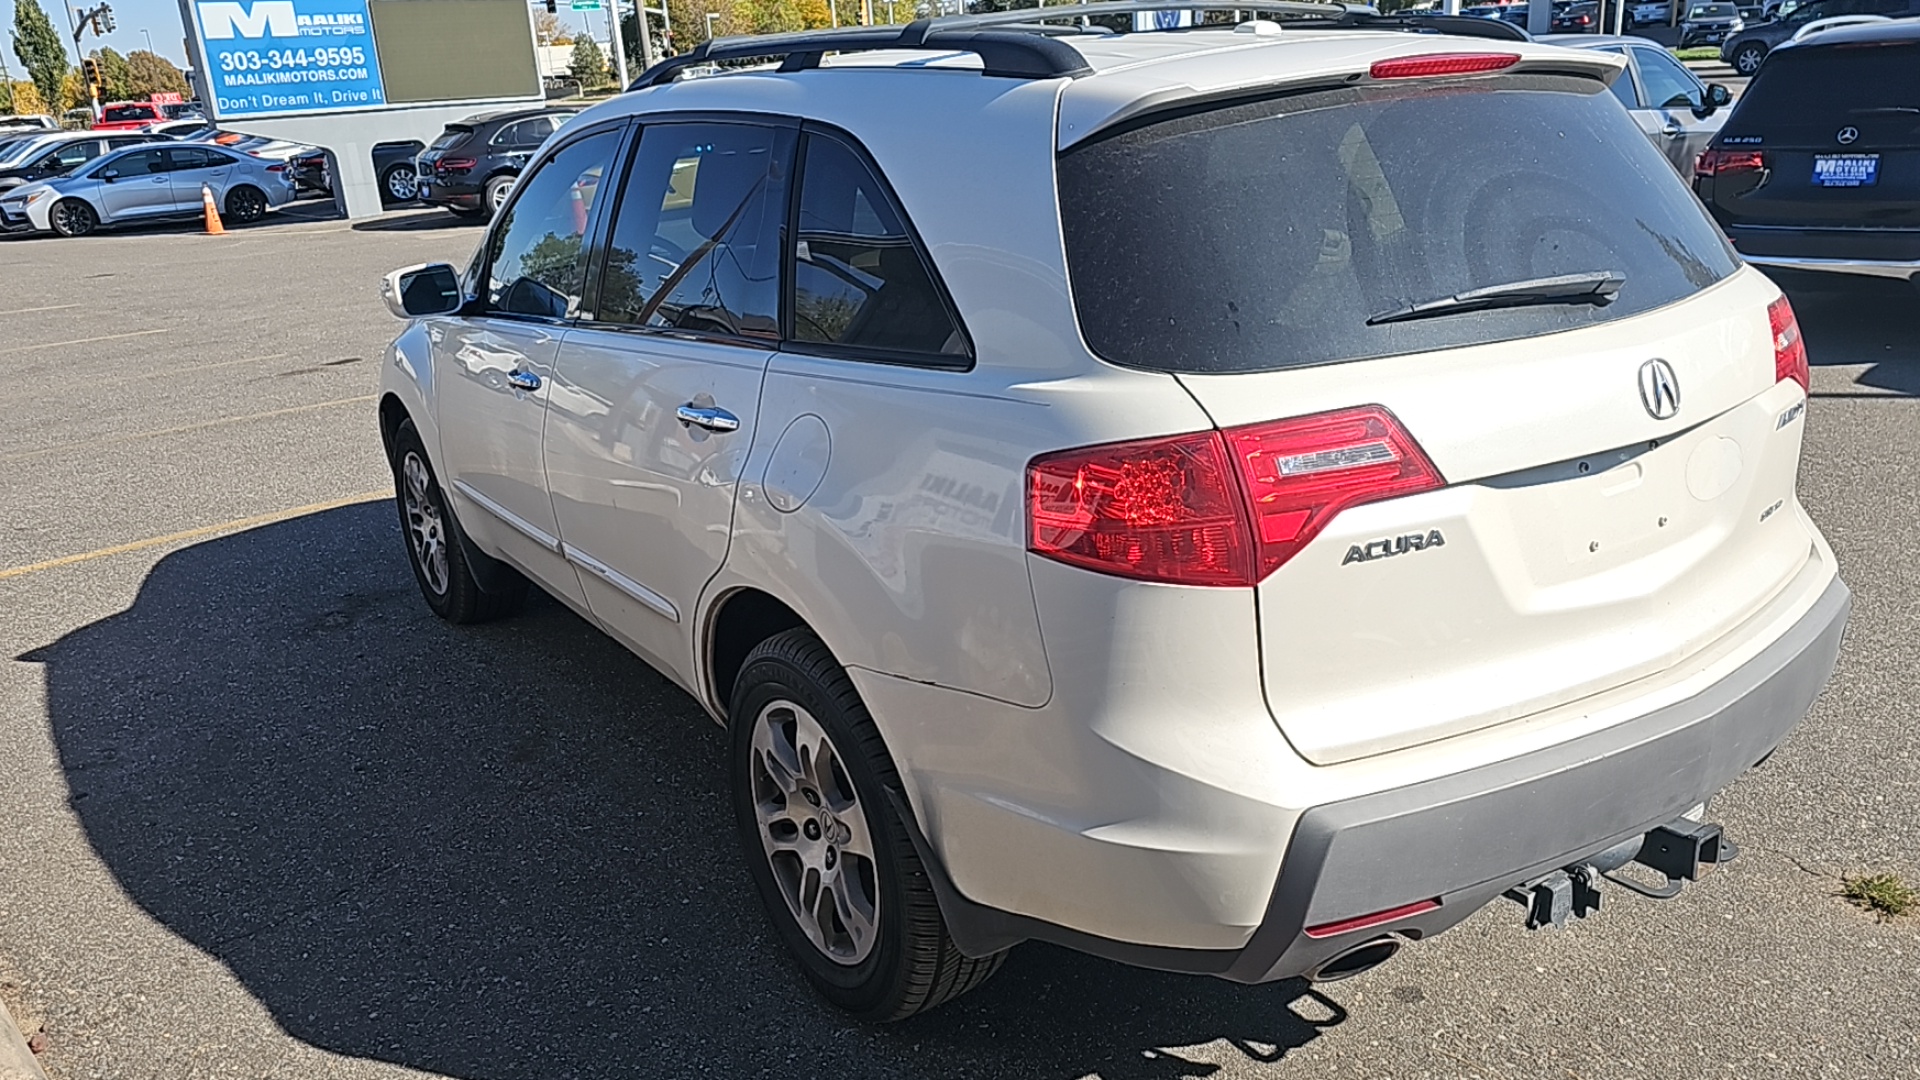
(1746, 48)
(156, 179)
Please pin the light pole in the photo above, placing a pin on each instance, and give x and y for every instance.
(149, 36)
(711, 15)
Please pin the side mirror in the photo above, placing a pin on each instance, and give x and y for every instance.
(1718, 96)
(109, 175)
(428, 289)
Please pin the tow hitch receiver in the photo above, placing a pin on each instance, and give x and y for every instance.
(1675, 851)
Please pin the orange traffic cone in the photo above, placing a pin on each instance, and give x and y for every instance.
(214, 228)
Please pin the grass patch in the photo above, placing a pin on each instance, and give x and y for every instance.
(1883, 894)
(1704, 52)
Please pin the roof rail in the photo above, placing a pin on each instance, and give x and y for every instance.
(1024, 43)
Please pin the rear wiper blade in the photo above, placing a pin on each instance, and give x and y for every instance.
(1595, 288)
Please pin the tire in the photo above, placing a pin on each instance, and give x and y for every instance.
(245, 204)
(1747, 58)
(74, 217)
(433, 543)
(497, 191)
(803, 821)
(397, 185)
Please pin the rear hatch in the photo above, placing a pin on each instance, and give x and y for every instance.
(1826, 137)
(1610, 478)
(453, 136)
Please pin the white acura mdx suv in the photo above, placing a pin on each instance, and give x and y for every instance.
(1233, 498)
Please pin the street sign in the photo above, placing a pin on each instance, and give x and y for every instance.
(585, 5)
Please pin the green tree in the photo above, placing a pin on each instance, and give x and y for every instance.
(116, 76)
(39, 47)
(589, 64)
(150, 73)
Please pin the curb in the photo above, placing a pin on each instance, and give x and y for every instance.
(16, 1061)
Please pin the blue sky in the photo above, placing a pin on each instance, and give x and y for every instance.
(161, 19)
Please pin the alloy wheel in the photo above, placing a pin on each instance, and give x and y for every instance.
(426, 526)
(71, 218)
(1747, 60)
(401, 185)
(814, 831)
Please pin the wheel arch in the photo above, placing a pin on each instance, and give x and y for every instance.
(736, 621)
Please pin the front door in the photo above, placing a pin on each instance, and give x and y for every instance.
(493, 369)
(1673, 95)
(141, 187)
(657, 393)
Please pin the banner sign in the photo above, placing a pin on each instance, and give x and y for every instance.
(285, 57)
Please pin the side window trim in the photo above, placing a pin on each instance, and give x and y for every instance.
(789, 342)
(603, 237)
(474, 284)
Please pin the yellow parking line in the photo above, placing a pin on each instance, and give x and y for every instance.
(83, 341)
(49, 307)
(235, 525)
(111, 439)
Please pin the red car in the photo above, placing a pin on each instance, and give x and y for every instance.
(140, 115)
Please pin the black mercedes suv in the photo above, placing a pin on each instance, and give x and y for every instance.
(1818, 167)
(471, 167)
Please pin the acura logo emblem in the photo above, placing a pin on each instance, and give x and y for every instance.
(1659, 389)
(1847, 134)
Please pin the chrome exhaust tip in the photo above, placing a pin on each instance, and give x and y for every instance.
(1361, 958)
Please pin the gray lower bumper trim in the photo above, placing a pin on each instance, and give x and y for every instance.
(1466, 838)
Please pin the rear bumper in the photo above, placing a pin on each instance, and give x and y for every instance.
(1888, 253)
(1465, 838)
(1902, 271)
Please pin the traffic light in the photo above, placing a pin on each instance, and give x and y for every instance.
(90, 69)
(553, 7)
(105, 22)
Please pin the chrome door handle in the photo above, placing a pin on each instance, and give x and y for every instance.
(709, 417)
(1672, 129)
(523, 380)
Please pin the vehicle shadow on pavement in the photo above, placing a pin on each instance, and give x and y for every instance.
(506, 851)
(1861, 321)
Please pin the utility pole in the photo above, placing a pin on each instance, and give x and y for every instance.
(619, 47)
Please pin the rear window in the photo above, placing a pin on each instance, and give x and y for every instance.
(1828, 86)
(117, 114)
(450, 138)
(1263, 236)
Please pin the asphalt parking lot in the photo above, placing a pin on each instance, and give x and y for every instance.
(263, 816)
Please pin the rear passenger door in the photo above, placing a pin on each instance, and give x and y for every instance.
(190, 167)
(657, 389)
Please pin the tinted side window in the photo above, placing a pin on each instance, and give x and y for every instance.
(1622, 87)
(66, 157)
(182, 158)
(537, 259)
(696, 237)
(1667, 83)
(859, 279)
(139, 164)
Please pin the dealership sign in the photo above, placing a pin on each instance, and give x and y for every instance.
(283, 57)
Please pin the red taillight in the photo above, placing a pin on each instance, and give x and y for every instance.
(1378, 918)
(1583, 20)
(1218, 507)
(1721, 162)
(1789, 348)
(277, 167)
(456, 163)
(1415, 67)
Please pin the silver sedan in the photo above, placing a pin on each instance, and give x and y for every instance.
(145, 183)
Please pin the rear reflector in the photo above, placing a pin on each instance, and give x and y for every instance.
(1367, 922)
(1722, 162)
(1789, 348)
(1416, 67)
(1217, 507)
